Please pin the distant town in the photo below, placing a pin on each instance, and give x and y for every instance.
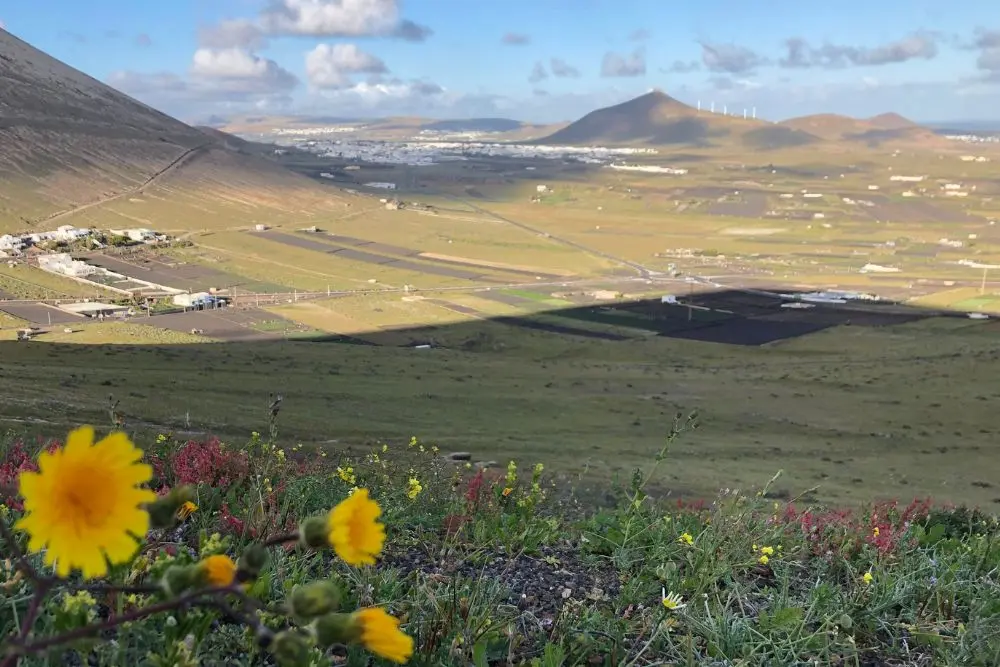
(416, 153)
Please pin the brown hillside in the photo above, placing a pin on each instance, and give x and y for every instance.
(653, 119)
(68, 141)
(827, 125)
(891, 121)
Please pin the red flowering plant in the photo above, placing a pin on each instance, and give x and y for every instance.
(15, 459)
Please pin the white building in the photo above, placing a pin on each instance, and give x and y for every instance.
(380, 184)
(194, 300)
(907, 179)
(63, 264)
(9, 242)
(70, 233)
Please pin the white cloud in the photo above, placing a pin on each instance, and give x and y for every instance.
(330, 66)
(241, 71)
(339, 18)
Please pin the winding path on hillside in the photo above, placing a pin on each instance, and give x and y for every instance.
(178, 162)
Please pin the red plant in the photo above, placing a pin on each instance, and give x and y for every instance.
(208, 462)
(474, 489)
(16, 461)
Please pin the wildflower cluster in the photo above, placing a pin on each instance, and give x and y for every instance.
(88, 510)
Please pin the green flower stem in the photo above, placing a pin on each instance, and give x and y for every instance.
(282, 539)
(21, 647)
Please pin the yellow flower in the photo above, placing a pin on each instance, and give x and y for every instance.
(84, 507)
(507, 491)
(219, 570)
(186, 510)
(686, 538)
(381, 635)
(867, 577)
(767, 551)
(354, 530)
(415, 488)
(346, 474)
(875, 532)
(763, 560)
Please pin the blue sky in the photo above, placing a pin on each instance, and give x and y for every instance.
(539, 60)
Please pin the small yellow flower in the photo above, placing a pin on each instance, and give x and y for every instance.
(763, 560)
(381, 635)
(415, 488)
(385, 448)
(355, 533)
(507, 491)
(875, 532)
(80, 603)
(84, 506)
(686, 538)
(767, 551)
(867, 577)
(280, 455)
(435, 449)
(186, 510)
(219, 570)
(346, 474)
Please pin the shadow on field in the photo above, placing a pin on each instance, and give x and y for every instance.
(727, 317)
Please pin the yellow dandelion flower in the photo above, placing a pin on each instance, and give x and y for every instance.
(686, 538)
(219, 570)
(354, 530)
(867, 577)
(763, 560)
(186, 510)
(84, 505)
(381, 635)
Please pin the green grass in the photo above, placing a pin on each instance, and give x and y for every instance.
(510, 567)
(858, 412)
(28, 282)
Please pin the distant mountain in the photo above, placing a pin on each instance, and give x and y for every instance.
(474, 125)
(653, 119)
(828, 126)
(657, 119)
(891, 121)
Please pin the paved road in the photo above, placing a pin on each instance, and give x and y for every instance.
(183, 158)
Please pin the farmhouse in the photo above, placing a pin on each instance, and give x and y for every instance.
(65, 265)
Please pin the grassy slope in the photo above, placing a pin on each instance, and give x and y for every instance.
(859, 412)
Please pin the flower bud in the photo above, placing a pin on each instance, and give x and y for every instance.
(163, 511)
(252, 562)
(290, 649)
(337, 629)
(315, 599)
(314, 532)
(179, 578)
